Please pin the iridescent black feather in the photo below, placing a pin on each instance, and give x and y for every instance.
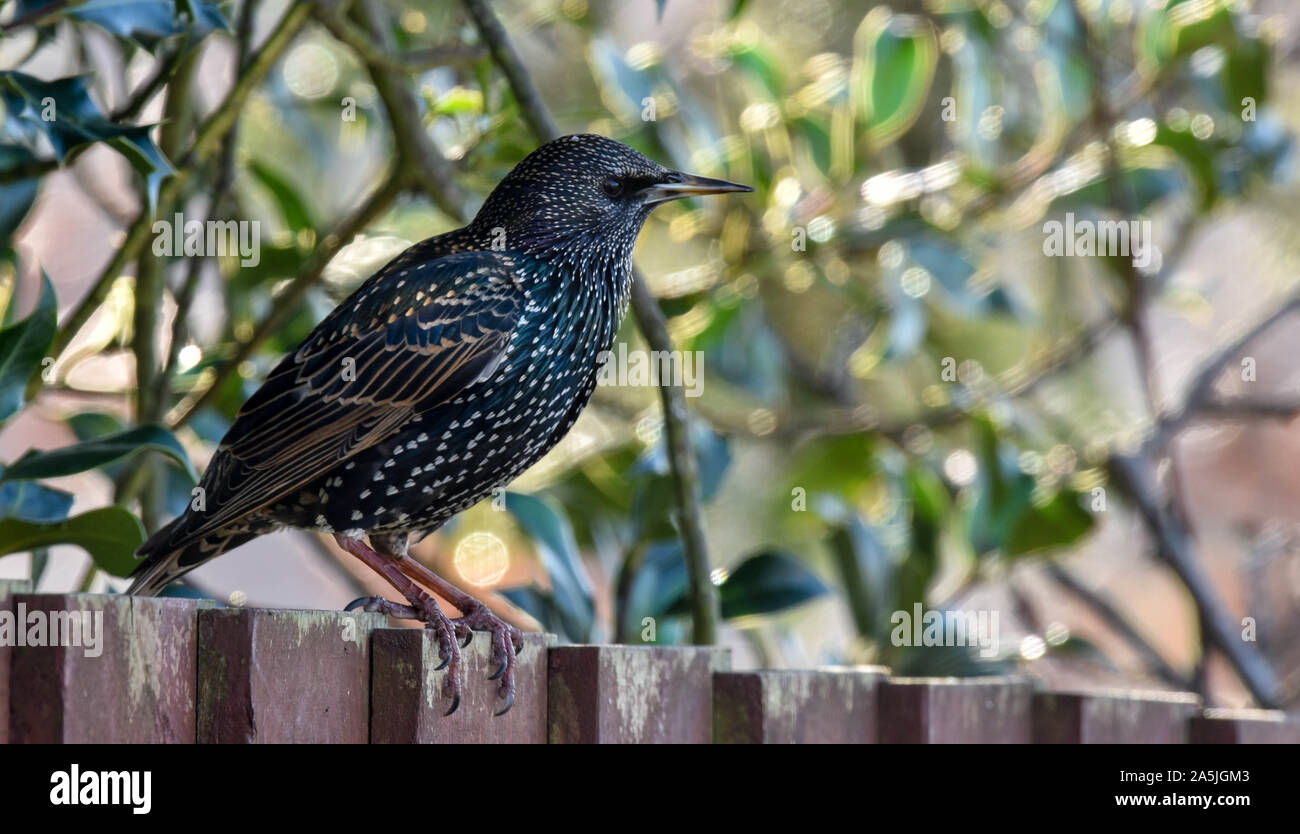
(443, 376)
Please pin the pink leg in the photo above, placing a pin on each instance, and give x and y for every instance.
(507, 641)
(422, 607)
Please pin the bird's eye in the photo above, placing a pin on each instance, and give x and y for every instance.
(613, 187)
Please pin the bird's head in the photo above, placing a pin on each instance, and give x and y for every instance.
(584, 190)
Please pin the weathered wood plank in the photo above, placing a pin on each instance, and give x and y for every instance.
(271, 676)
(1244, 726)
(955, 710)
(632, 694)
(780, 706)
(8, 587)
(1113, 717)
(406, 692)
(124, 673)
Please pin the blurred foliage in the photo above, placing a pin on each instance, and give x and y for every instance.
(876, 319)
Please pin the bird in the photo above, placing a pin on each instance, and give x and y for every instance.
(439, 380)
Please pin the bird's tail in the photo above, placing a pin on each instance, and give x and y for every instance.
(165, 560)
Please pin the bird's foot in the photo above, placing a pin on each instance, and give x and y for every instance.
(383, 606)
(507, 641)
(445, 632)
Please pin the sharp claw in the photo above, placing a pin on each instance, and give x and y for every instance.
(469, 637)
(510, 702)
(357, 603)
(442, 665)
(499, 672)
(455, 702)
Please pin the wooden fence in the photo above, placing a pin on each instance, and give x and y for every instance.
(174, 670)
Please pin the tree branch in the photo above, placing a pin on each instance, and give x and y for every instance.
(1174, 547)
(417, 156)
(371, 54)
(35, 17)
(531, 106)
(1102, 606)
(1167, 520)
(1251, 408)
(1200, 395)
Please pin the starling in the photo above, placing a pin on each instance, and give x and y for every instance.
(441, 378)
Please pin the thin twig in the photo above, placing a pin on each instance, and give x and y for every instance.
(531, 106)
(1174, 546)
(370, 53)
(1200, 395)
(416, 153)
(1102, 606)
(145, 91)
(35, 17)
(1251, 408)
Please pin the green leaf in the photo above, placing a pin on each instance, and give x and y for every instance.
(712, 457)
(87, 425)
(111, 535)
(1180, 28)
(148, 22)
(33, 502)
(540, 605)
(292, 207)
(835, 465)
(1196, 156)
(894, 58)
(1060, 522)
(23, 346)
(930, 508)
(145, 157)
(16, 197)
(868, 575)
(759, 63)
(768, 582)
(90, 454)
(1005, 515)
(40, 561)
(1246, 72)
(459, 101)
(952, 272)
(660, 585)
(63, 111)
(553, 537)
(1146, 185)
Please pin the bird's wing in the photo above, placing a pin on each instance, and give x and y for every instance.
(404, 342)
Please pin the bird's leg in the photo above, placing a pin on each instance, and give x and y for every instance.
(507, 640)
(422, 607)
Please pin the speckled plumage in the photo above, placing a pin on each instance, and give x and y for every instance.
(442, 377)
